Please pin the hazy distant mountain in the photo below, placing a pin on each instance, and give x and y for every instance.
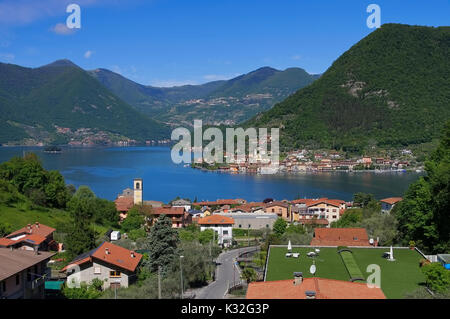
(61, 102)
(392, 88)
(230, 102)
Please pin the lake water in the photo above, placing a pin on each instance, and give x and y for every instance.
(107, 171)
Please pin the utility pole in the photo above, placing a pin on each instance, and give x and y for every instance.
(181, 275)
(159, 282)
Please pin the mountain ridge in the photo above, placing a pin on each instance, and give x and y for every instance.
(213, 102)
(41, 105)
(388, 90)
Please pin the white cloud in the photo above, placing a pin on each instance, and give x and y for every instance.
(296, 57)
(217, 77)
(7, 57)
(62, 29)
(88, 54)
(171, 83)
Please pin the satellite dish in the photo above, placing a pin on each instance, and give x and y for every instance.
(371, 241)
(312, 269)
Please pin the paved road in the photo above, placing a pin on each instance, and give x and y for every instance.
(226, 273)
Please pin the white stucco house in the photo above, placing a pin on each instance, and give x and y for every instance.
(222, 225)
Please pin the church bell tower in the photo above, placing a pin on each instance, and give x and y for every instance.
(138, 188)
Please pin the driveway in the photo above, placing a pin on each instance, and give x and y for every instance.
(227, 273)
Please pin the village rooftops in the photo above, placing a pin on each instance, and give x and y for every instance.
(391, 200)
(17, 260)
(168, 211)
(318, 288)
(277, 203)
(111, 254)
(340, 237)
(124, 204)
(216, 220)
(221, 202)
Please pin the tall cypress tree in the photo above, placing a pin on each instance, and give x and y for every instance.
(162, 244)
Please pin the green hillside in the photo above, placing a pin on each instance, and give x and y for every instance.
(217, 102)
(390, 89)
(34, 102)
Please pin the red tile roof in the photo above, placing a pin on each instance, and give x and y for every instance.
(36, 229)
(34, 234)
(216, 220)
(117, 256)
(282, 204)
(391, 200)
(340, 237)
(124, 204)
(249, 206)
(312, 202)
(324, 289)
(168, 211)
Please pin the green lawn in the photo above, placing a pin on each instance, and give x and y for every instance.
(397, 278)
(351, 265)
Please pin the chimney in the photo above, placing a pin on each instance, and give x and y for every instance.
(107, 251)
(310, 294)
(37, 224)
(29, 228)
(132, 254)
(298, 278)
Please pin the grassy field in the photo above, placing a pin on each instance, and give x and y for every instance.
(397, 278)
(19, 217)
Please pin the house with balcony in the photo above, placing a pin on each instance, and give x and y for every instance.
(112, 264)
(23, 273)
(321, 208)
(178, 215)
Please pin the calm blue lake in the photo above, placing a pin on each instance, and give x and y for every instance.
(107, 171)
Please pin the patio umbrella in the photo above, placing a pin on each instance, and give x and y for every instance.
(289, 246)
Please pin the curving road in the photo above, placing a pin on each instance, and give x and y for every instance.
(227, 273)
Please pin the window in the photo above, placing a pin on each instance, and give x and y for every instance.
(334, 216)
(240, 226)
(267, 225)
(17, 280)
(114, 273)
(97, 270)
(225, 232)
(3, 286)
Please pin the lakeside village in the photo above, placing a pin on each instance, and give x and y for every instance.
(27, 255)
(302, 161)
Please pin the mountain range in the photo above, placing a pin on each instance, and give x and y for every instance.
(220, 102)
(391, 89)
(62, 103)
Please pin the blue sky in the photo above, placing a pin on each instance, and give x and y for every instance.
(174, 42)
